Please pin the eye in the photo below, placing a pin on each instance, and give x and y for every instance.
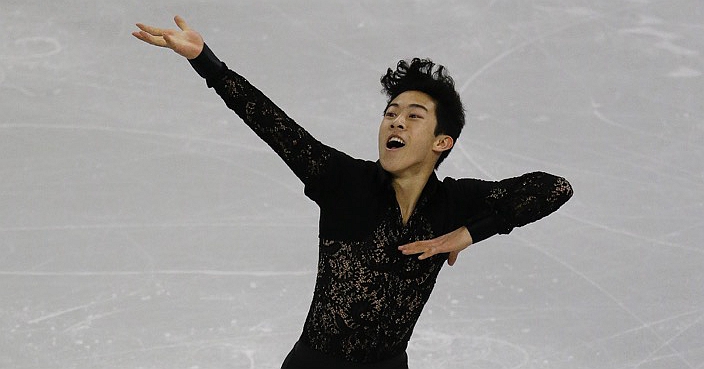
(390, 114)
(415, 116)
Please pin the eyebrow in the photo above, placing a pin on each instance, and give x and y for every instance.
(410, 105)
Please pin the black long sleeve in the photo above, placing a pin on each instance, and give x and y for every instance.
(515, 202)
(305, 155)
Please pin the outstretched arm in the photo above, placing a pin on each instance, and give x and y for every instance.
(306, 156)
(185, 42)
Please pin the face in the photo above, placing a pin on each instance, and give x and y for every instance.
(407, 141)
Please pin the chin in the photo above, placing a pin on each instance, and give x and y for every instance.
(391, 166)
(385, 164)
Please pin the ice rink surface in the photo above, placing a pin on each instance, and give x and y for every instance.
(142, 225)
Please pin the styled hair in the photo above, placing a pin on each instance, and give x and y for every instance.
(425, 76)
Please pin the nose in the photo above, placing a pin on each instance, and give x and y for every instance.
(399, 123)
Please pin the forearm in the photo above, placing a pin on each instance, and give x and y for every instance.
(530, 197)
(518, 201)
(301, 152)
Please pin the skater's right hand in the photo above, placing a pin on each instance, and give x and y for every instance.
(185, 42)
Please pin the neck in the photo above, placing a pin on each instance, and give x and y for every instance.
(408, 190)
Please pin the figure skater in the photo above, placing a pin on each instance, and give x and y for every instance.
(386, 227)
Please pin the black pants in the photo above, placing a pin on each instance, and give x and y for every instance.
(304, 357)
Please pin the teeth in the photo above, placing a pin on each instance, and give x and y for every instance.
(395, 143)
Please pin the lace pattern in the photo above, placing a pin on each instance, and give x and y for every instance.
(368, 295)
(302, 153)
(528, 198)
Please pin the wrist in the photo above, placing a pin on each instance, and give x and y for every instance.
(207, 64)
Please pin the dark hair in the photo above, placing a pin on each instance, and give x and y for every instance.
(425, 76)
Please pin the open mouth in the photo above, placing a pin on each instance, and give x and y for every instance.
(395, 143)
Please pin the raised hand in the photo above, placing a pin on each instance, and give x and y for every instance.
(185, 42)
(452, 243)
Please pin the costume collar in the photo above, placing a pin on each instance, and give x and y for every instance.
(428, 190)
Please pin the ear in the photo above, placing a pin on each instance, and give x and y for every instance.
(443, 143)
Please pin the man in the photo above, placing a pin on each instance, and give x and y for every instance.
(386, 227)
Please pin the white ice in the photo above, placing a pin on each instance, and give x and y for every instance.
(142, 225)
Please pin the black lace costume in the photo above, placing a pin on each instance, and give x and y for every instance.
(368, 295)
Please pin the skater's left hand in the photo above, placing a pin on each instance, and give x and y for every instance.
(452, 243)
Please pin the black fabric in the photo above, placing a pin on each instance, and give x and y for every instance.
(304, 357)
(368, 296)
